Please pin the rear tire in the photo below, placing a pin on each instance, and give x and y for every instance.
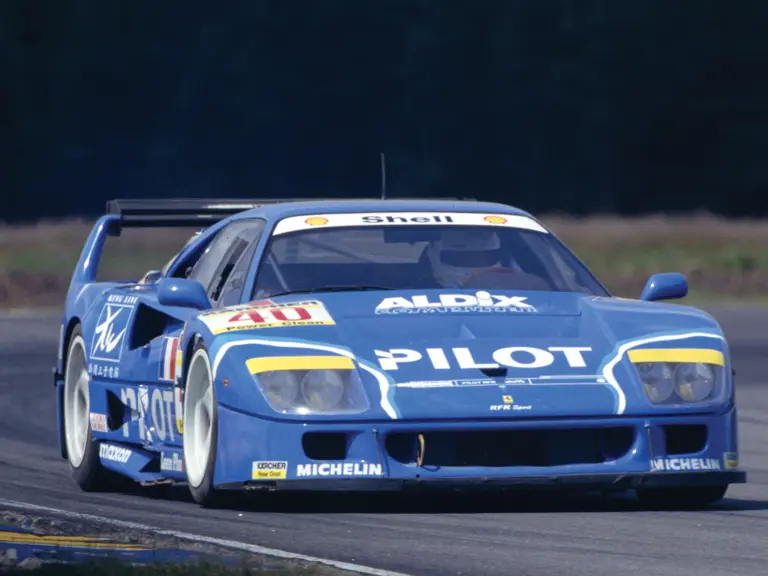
(684, 497)
(82, 451)
(201, 428)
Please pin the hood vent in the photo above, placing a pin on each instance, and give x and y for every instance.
(495, 372)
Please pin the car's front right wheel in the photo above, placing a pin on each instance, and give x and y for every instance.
(201, 427)
(683, 497)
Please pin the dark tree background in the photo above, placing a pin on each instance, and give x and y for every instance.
(577, 106)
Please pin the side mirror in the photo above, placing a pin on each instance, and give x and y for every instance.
(182, 292)
(665, 287)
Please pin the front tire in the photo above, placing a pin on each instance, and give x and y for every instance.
(201, 428)
(684, 497)
(82, 451)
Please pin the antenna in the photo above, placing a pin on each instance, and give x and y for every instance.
(383, 177)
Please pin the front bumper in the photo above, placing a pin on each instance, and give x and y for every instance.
(614, 453)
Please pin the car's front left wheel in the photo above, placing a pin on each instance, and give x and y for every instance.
(201, 427)
(82, 451)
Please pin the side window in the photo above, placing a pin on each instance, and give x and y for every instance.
(233, 289)
(181, 271)
(217, 262)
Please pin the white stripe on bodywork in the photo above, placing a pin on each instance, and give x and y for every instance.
(608, 369)
(380, 377)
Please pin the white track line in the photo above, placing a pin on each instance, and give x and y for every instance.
(234, 545)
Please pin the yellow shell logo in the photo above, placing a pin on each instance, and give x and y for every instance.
(495, 220)
(316, 221)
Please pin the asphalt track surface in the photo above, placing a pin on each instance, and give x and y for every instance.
(484, 536)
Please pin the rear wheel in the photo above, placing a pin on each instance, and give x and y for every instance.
(82, 451)
(684, 497)
(201, 428)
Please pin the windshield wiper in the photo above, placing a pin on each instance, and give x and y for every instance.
(351, 288)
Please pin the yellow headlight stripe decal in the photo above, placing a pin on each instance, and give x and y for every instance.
(268, 364)
(703, 355)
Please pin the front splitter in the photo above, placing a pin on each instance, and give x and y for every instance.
(581, 482)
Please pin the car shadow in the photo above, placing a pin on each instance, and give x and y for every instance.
(485, 502)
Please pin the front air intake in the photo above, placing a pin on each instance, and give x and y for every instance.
(511, 448)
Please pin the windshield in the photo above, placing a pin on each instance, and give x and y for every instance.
(420, 257)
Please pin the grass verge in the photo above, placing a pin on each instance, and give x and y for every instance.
(725, 260)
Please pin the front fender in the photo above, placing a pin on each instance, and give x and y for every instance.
(237, 389)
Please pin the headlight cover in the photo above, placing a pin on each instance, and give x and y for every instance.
(658, 380)
(321, 391)
(667, 383)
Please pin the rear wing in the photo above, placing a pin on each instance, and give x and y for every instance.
(181, 212)
(153, 213)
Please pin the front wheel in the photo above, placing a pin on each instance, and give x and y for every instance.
(201, 427)
(684, 497)
(82, 451)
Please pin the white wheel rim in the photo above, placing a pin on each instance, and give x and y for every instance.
(198, 417)
(77, 404)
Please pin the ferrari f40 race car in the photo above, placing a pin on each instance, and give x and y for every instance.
(384, 345)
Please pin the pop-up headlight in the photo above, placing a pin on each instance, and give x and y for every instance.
(666, 381)
(310, 384)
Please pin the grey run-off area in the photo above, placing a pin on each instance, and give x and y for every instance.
(484, 536)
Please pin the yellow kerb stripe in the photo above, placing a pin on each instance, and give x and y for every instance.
(258, 365)
(703, 355)
(67, 542)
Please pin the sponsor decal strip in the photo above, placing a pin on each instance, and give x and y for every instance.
(267, 470)
(256, 317)
(731, 460)
(621, 404)
(159, 406)
(168, 367)
(114, 453)
(268, 364)
(352, 469)
(703, 355)
(178, 400)
(685, 464)
(509, 405)
(511, 356)
(503, 382)
(356, 219)
(481, 301)
(103, 370)
(108, 337)
(99, 422)
(171, 462)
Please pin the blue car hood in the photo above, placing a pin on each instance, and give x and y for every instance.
(466, 354)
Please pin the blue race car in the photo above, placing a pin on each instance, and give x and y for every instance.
(383, 345)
